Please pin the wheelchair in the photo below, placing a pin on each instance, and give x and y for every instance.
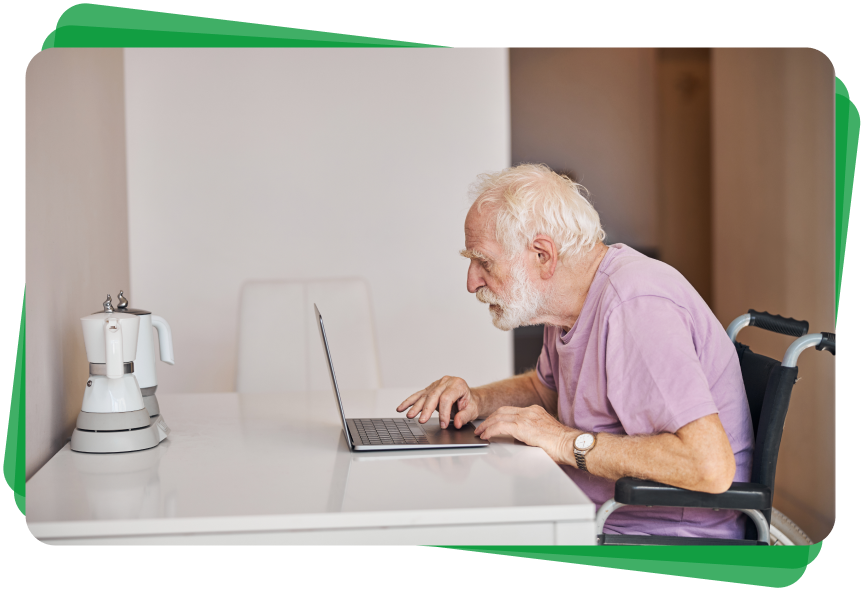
(768, 384)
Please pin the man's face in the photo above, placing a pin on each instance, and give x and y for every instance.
(502, 283)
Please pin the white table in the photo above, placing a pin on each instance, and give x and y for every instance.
(276, 469)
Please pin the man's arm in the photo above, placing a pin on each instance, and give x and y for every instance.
(523, 390)
(470, 403)
(697, 457)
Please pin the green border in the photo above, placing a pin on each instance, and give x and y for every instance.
(847, 129)
(13, 461)
(764, 566)
(90, 25)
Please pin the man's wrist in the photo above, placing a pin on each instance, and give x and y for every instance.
(480, 401)
(567, 452)
(582, 448)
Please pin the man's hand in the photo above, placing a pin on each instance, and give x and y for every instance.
(441, 395)
(534, 426)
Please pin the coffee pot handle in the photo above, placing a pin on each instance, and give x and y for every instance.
(113, 348)
(166, 343)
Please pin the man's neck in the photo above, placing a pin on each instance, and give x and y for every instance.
(571, 290)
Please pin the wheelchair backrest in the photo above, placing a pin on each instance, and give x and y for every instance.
(769, 390)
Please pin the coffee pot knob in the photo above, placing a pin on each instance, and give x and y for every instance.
(122, 302)
(107, 305)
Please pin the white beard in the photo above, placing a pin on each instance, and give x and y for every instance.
(521, 303)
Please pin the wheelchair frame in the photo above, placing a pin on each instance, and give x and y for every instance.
(754, 493)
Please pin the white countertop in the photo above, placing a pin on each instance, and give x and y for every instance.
(239, 463)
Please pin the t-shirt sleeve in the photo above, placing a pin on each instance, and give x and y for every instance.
(547, 364)
(655, 380)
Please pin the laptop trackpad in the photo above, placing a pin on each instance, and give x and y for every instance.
(464, 435)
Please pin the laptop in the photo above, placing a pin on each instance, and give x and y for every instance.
(398, 433)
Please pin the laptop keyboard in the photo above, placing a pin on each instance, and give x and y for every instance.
(389, 431)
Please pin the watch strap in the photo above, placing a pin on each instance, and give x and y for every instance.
(580, 460)
(580, 454)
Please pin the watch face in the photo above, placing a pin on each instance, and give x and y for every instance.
(584, 441)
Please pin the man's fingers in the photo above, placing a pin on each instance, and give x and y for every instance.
(487, 423)
(501, 412)
(448, 395)
(499, 428)
(416, 396)
(501, 415)
(462, 418)
(446, 403)
(432, 402)
(429, 407)
(417, 408)
(410, 400)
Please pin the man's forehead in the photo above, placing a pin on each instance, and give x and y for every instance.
(480, 240)
(479, 225)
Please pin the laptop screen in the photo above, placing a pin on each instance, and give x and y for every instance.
(319, 320)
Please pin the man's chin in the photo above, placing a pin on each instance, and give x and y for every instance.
(499, 321)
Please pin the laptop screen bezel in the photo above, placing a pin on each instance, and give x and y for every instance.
(320, 322)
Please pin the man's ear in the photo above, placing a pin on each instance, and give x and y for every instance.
(545, 254)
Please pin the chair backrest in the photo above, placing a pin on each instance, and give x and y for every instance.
(279, 347)
(769, 390)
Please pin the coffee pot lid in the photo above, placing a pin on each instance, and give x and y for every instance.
(122, 306)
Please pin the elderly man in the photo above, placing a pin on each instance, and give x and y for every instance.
(636, 377)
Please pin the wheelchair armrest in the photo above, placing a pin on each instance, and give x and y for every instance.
(740, 496)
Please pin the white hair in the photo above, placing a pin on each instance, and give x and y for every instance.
(531, 199)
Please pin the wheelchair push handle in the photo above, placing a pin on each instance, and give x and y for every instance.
(827, 343)
(778, 324)
(821, 341)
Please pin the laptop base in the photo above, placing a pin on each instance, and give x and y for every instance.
(408, 434)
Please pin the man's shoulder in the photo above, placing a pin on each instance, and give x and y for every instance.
(651, 286)
(630, 274)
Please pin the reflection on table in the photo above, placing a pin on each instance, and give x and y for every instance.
(277, 468)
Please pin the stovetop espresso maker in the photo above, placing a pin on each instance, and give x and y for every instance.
(145, 361)
(113, 416)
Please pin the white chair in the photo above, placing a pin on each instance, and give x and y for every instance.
(279, 348)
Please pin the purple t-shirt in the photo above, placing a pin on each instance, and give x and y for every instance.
(647, 356)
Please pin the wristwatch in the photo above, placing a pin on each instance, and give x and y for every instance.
(583, 445)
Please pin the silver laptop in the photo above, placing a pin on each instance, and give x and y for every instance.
(394, 433)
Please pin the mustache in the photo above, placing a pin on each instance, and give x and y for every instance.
(486, 296)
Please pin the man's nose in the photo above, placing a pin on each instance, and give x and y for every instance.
(475, 278)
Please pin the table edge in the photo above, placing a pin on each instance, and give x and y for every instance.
(47, 530)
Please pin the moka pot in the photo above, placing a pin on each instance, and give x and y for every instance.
(113, 417)
(145, 361)
(111, 341)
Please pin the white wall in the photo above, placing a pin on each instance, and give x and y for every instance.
(294, 163)
(76, 229)
(593, 111)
